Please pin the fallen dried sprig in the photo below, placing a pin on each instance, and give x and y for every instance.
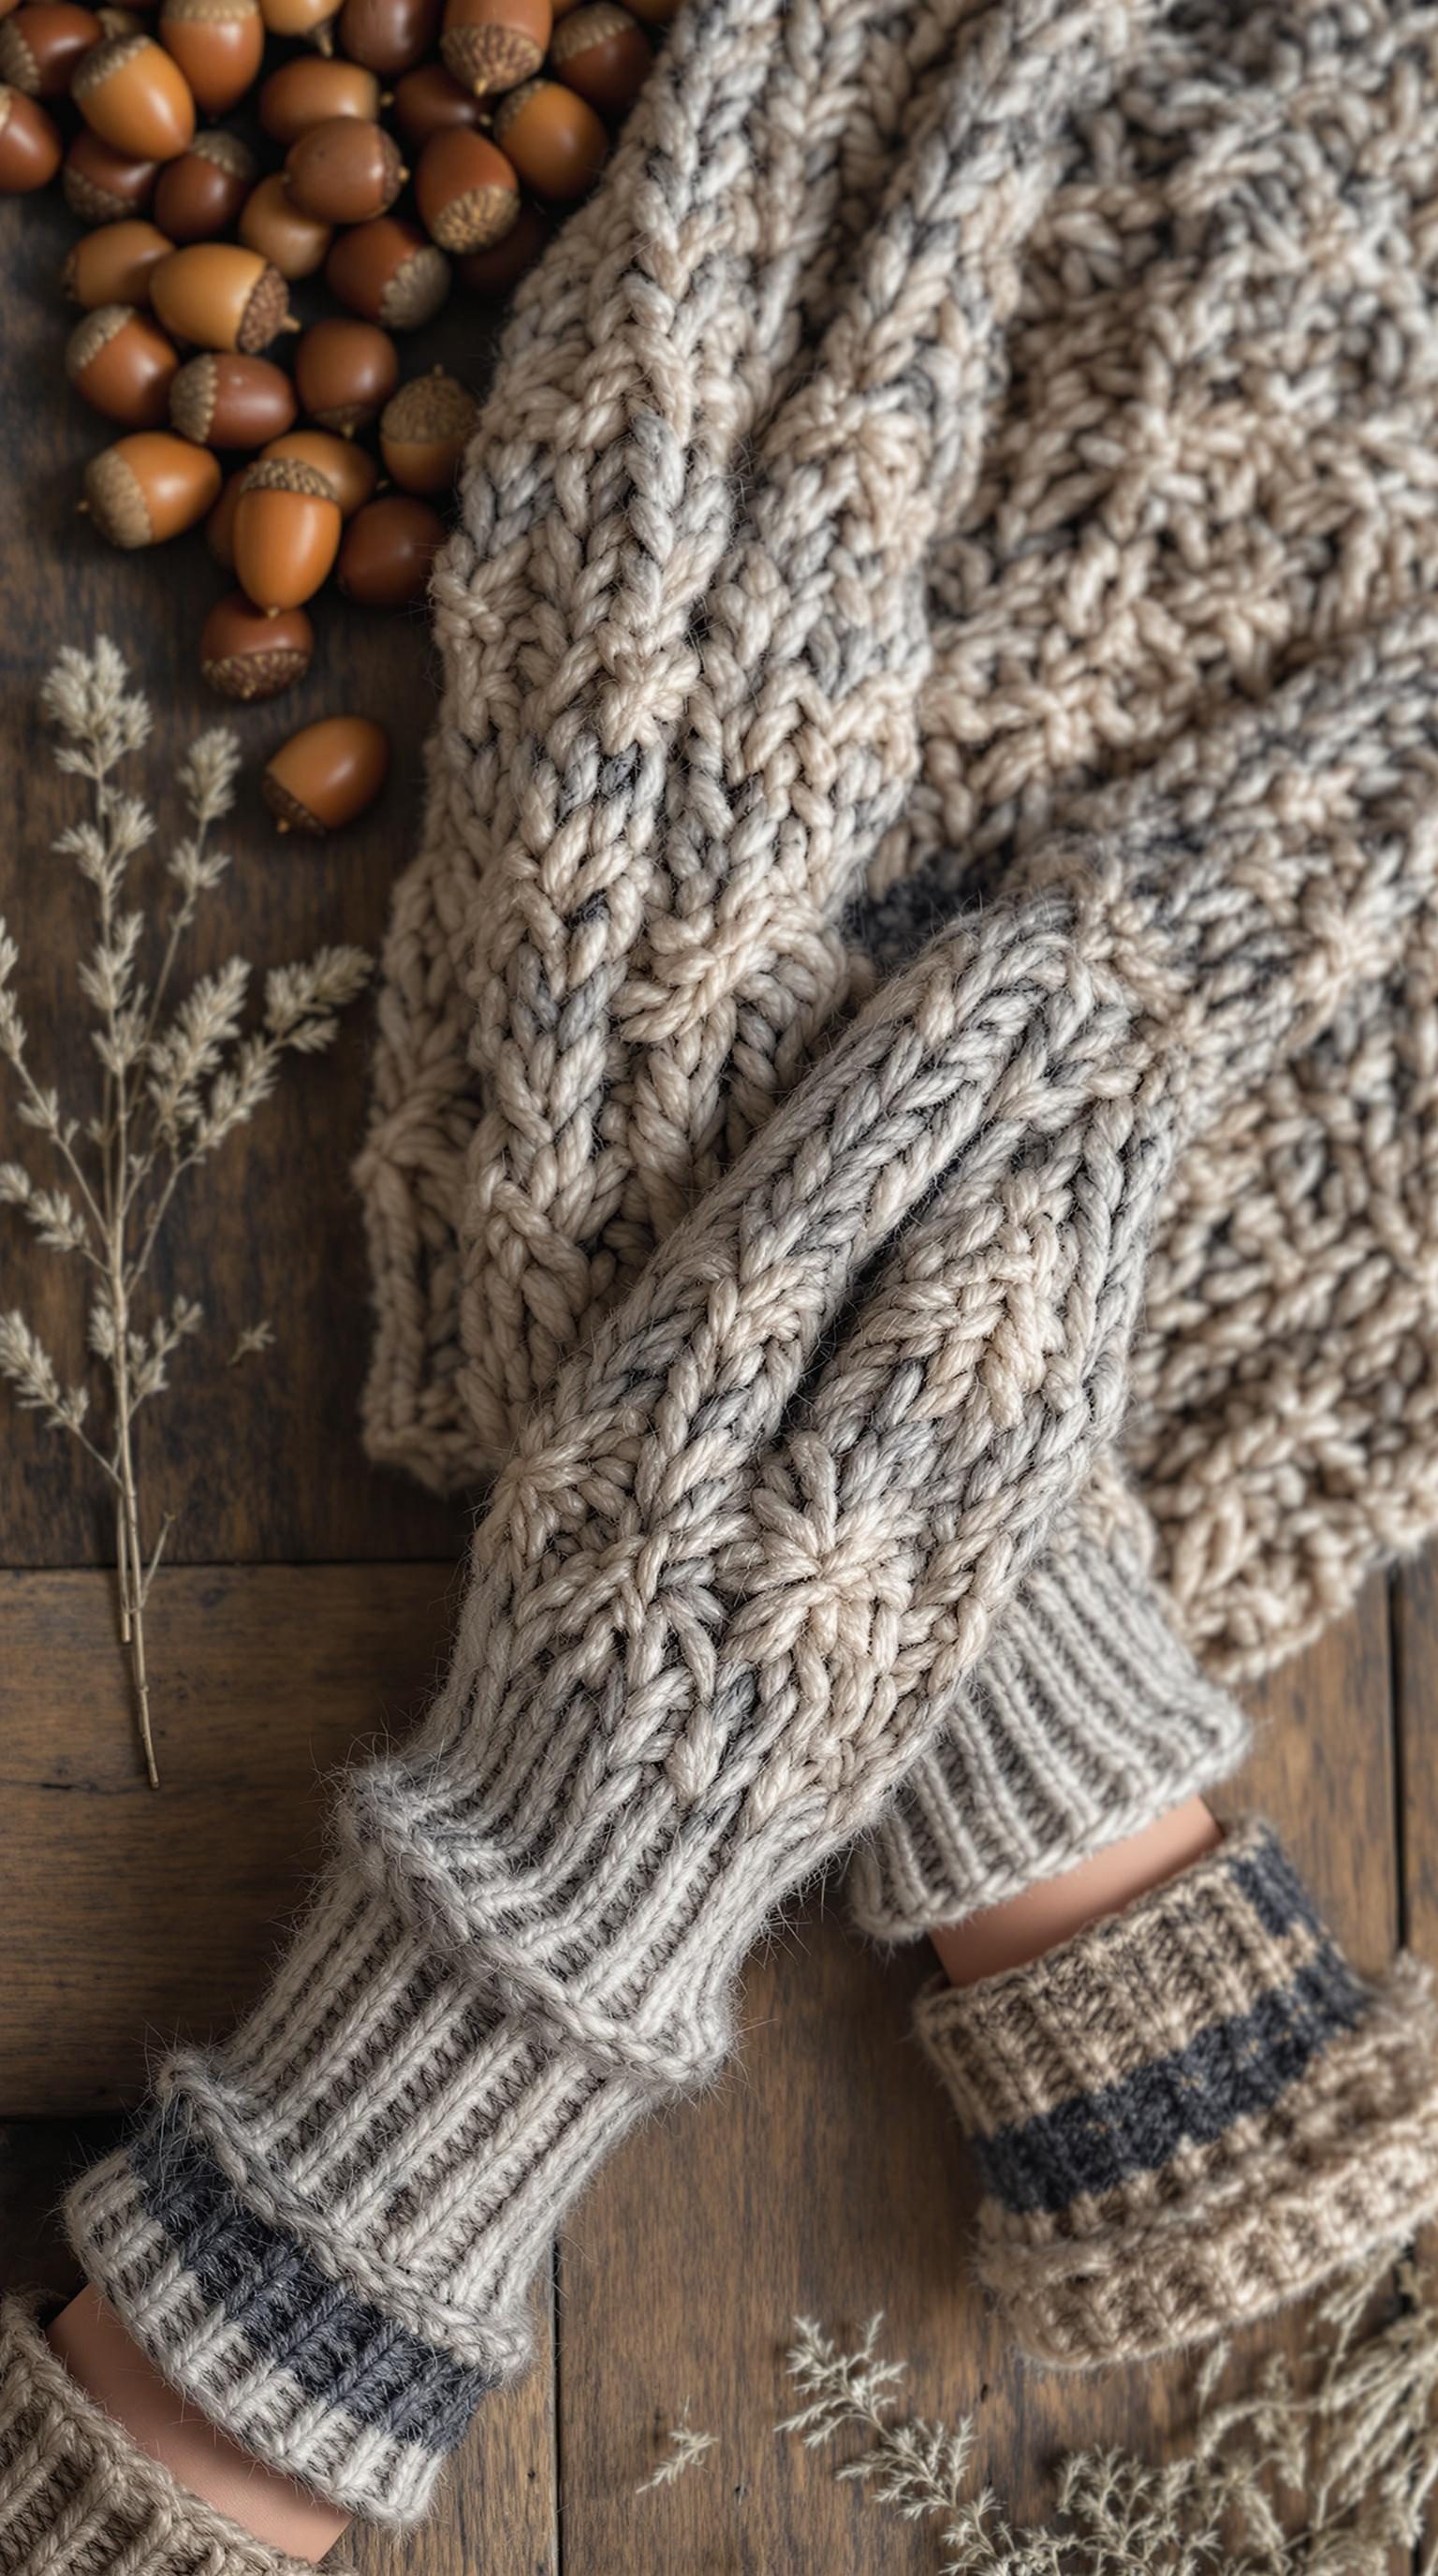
(176, 1080)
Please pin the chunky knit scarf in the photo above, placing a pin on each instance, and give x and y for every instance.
(952, 435)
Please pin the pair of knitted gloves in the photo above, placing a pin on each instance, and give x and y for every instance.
(811, 1537)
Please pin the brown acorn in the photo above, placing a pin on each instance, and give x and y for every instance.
(115, 264)
(603, 52)
(387, 550)
(150, 487)
(133, 94)
(553, 137)
(224, 400)
(42, 43)
(308, 91)
(493, 45)
(219, 46)
(102, 185)
(424, 431)
(430, 101)
(201, 194)
(465, 190)
(345, 372)
(271, 223)
(494, 272)
(327, 774)
(221, 296)
(30, 145)
(220, 525)
(250, 653)
(350, 472)
(391, 36)
(121, 361)
(345, 171)
(387, 272)
(286, 532)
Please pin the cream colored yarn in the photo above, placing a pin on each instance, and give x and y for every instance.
(860, 575)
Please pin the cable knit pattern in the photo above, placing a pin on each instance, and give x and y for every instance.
(995, 404)
(1188, 2112)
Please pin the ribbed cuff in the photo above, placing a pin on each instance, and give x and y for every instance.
(1086, 1720)
(1189, 2113)
(79, 2498)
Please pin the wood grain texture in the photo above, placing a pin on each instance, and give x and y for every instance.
(1415, 1664)
(130, 1916)
(264, 1464)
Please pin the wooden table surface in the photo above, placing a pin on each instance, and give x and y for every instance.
(305, 1610)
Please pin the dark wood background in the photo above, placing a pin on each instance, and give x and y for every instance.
(306, 1609)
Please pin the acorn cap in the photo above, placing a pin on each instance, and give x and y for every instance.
(256, 675)
(225, 151)
(17, 61)
(94, 333)
(490, 58)
(585, 27)
(109, 56)
(287, 810)
(192, 397)
(208, 13)
(288, 474)
(267, 309)
(116, 500)
(86, 198)
(417, 289)
(428, 411)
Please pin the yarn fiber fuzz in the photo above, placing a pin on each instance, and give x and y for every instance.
(946, 426)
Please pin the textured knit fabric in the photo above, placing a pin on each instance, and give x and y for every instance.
(1187, 2113)
(938, 424)
(79, 2498)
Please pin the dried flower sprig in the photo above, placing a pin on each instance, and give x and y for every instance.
(177, 1078)
(687, 2447)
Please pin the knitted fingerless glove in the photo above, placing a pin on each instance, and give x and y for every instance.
(79, 2498)
(1188, 2113)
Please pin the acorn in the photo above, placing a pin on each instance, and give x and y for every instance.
(308, 91)
(115, 264)
(465, 190)
(134, 94)
(430, 101)
(286, 531)
(311, 21)
(603, 53)
(351, 473)
(42, 43)
(101, 185)
(149, 487)
(272, 224)
(495, 271)
(493, 45)
(221, 296)
(224, 400)
(121, 361)
(345, 372)
(30, 144)
(387, 272)
(345, 171)
(387, 550)
(248, 653)
(327, 774)
(220, 525)
(201, 194)
(391, 36)
(424, 430)
(219, 46)
(553, 137)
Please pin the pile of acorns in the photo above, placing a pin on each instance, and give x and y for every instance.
(502, 111)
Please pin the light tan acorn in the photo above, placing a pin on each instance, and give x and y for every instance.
(466, 191)
(553, 137)
(223, 399)
(134, 95)
(327, 774)
(345, 372)
(286, 532)
(149, 487)
(120, 360)
(221, 296)
(249, 653)
(30, 145)
(424, 431)
(308, 90)
(350, 470)
(493, 45)
(41, 44)
(219, 46)
(200, 195)
(115, 264)
(101, 185)
(292, 241)
(387, 272)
